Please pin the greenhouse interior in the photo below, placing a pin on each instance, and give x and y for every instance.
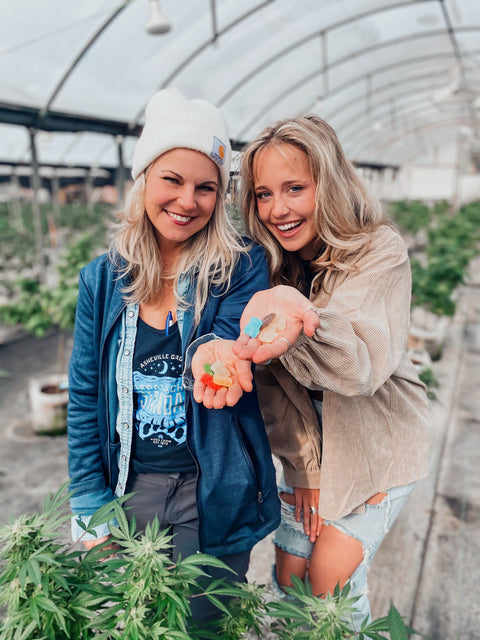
(397, 80)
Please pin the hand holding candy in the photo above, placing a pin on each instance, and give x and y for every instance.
(220, 377)
(267, 329)
(283, 303)
(216, 376)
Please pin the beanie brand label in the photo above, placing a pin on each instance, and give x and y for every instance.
(218, 151)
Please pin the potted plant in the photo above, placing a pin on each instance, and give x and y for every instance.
(37, 308)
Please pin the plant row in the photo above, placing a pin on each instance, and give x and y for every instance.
(451, 242)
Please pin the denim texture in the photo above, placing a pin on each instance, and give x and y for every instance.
(237, 499)
(370, 528)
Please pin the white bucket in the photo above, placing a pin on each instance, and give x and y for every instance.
(48, 404)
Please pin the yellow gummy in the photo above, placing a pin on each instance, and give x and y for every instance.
(222, 381)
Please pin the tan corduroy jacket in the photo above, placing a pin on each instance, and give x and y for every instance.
(375, 409)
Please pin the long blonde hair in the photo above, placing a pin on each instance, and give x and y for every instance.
(345, 213)
(209, 256)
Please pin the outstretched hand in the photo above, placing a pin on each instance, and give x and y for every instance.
(284, 301)
(240, 372)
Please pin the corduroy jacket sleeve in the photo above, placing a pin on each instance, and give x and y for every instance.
(364, 320)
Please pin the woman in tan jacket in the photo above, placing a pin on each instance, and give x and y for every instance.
(343, 405)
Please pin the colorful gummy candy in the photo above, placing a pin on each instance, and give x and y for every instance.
(216, 376)
(253, 327)
(265, 330)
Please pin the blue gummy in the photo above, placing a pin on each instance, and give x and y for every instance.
(253, 327)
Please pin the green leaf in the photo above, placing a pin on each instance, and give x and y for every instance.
(218, 603)
(81, 524)
(33, 570)
(22, 576)
(204, 560)
(396, 626)
(101, 516)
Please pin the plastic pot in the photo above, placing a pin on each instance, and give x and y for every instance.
(48, 404)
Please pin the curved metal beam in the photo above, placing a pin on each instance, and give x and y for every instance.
(422, 100)
(371, 92)
(298, 43)
(413, 135)
(402, 133)
(363, 137)
(194, 54)
(410, 109)
(355, 118)
(80, 55)
(323, 69)
(360, 128)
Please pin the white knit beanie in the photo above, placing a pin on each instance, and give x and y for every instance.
(172, 121)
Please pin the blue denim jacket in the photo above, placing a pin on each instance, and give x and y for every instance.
(236, 490)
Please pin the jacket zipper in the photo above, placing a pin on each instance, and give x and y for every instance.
(259, 504)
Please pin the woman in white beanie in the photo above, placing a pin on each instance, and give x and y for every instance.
(176, 276)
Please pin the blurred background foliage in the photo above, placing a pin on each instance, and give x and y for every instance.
(37, 297)
(75, 235)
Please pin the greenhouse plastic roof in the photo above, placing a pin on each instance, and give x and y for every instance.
(396, 79)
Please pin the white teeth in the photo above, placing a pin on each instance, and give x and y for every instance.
(287, 227)
(178, 217)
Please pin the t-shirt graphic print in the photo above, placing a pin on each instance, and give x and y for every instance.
(159, 444)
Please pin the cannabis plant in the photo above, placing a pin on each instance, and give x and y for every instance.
(52, 590)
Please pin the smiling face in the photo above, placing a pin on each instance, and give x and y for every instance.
(285, 197)
(180, 196)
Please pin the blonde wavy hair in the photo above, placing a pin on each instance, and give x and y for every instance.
(345, 213)
(209, 256)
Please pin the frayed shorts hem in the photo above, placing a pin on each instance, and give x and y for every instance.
(292, 541)
(369, 528)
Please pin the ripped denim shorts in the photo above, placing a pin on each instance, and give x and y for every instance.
(369, 528)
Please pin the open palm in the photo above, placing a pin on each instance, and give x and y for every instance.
(240, 372)
(284, 301)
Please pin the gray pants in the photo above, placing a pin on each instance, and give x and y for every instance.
(172, 498)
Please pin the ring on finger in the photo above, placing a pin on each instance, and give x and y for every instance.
(313, 511)
(287, 341)
(309, 309)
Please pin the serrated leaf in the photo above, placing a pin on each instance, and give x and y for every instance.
(101, 516)
(218, 603)
(381, 624)
(396, 626)
(204, 559)
(33, 570)
(120, 516)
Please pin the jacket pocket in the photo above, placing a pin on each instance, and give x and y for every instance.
(252, 464)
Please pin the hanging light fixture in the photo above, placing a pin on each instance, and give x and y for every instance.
(157, 22)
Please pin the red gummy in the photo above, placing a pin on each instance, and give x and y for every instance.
(207, 380)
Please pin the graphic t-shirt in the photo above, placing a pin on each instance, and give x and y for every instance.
(160, 427)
